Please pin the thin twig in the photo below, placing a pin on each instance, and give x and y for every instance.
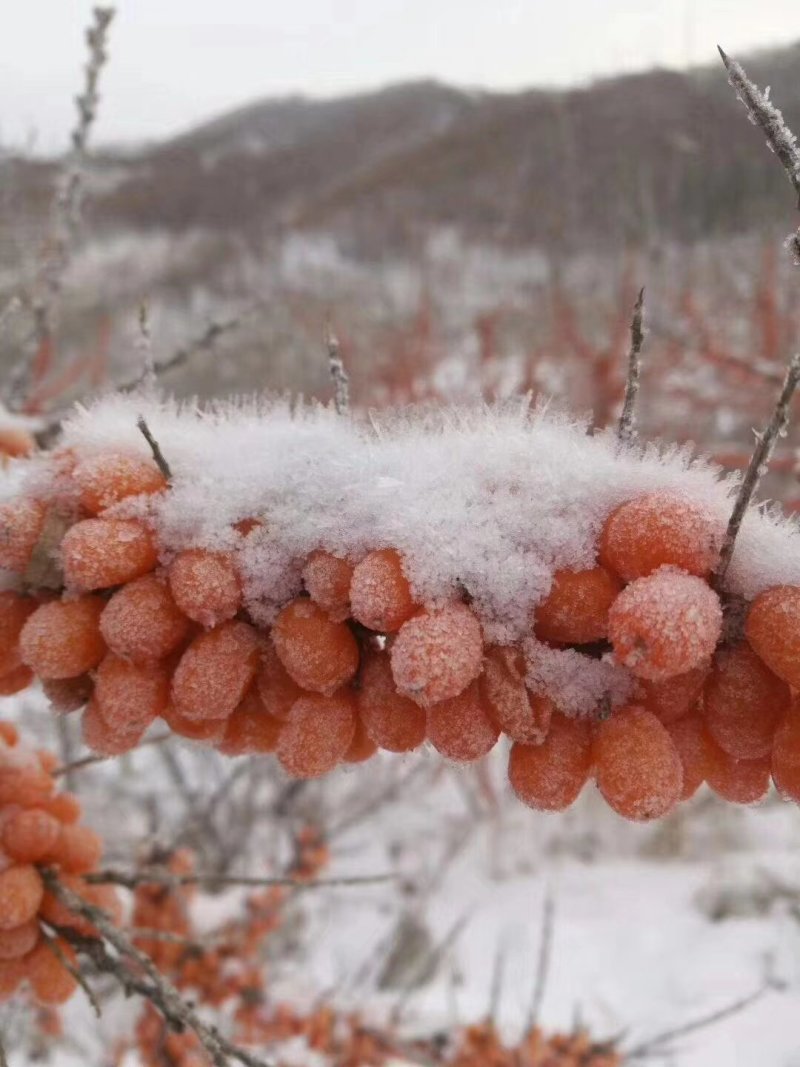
(67, 963)
(764, 114)
(88, 761)
(3, 1057)
(151, 983)
(161, 876)
(626, 431)
(341, 381)
(155, 448)
(765, 443)
(543, 960)
(145, 345)
(496, 989)
(656, 1044)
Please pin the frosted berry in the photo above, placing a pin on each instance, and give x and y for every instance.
(380, 596)
(743, 703)
(129, 696)
(550, 776)
(575, 611)
(524, 716)
(62, 639)
(462, 728)
(215, 671)
(437, 654)
(142, 622)
(21, 524)
(21, 892)
(206, 586)
(317, 734)
(110, 477)
(102, 553)
(327, 580)
(320, 655)
(638, 768)
(394, 722)
(773, 631)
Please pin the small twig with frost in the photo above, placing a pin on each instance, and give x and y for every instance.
(143, 977)
(155, 448)
(145, 345)
(543, 961)
(655, 1045)
(161, 876)
(66, 212)
(765, 443)
(429, 965)
(626, 431)
(341, 381)
(88, 761)
(57, 951)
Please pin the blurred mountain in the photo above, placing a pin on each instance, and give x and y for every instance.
(641, 158)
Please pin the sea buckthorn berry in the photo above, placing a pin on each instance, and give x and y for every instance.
(575, 611)
(773, 631)
(672, 698)
(16, 441)
(101, 553)
(550, 776)
(250, 729)
(18, 941)
(12, 974)
(62, 639)
(739, 781)
(9, 734)
(462, 728)
(215, 671)
(109, 477)
(525, 717)
(27, 836)
(68, 694)
(63, 806)
(277, 689)
(106, 740)
(209, 730)
(638, 768)
(48, 761)
(666, 624)
(206, 586)
(743, 702)
(786, 756)
(51, 981)
(327, 580)
(317, 734)
(319, 654)
(660, 529)
(142, 623)
(437, 654)
(362, 747)
(380, 596)
(21, 892)
(27, 786)
(14, 610)
(56, 913)
(77, 850)
(129, 696)
(21, 524)
(15, 681)
(689, 736)
(394, 722)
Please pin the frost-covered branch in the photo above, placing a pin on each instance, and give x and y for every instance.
(137, 973)
(626, 430)
(341, 380)
(66, 214)
(155, 448)
(765, 443)
(162, 876)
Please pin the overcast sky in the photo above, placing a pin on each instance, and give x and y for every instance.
(177, 62)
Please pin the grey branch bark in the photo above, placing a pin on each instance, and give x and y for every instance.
(626, 431)
(155, 448)
(341, 380)
(765, 443)
(161, 876)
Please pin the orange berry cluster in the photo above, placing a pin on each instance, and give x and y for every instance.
(40, 827)
(356, 664)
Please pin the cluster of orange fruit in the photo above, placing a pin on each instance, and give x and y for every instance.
(224, 968)
(355, 664)
(39, 827)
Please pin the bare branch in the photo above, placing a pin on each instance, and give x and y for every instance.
(3, 1057)
(656, 1045)
(543, 960)
(626, 431)
(162, 876)
(341, 381)
(155, 448)
(57, 951)
(150, 983)
(88, 761)
(765, 443)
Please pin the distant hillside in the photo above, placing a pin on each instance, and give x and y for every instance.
(641, 157)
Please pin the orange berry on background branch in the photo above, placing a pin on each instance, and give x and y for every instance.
(575, 611)
(660, 529)
(319, 654)
(665, 624)
(380, 595)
